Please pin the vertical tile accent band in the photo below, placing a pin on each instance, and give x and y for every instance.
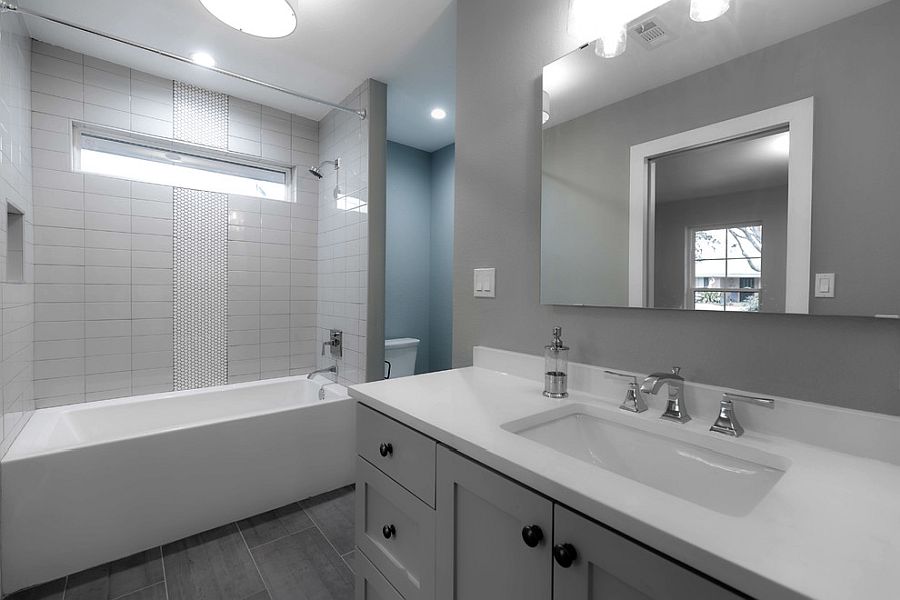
(200, 116)
(200, 256)
(201, 289)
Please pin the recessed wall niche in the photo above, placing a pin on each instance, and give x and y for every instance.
(15, 265)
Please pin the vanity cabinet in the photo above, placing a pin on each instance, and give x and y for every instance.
(606, 565)
(481, 551)
(434, 524)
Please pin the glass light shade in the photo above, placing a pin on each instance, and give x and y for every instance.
(612, 42)
(545, 112)
(262, 18)
(708, 10)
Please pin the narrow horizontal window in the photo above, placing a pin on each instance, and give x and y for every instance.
(168, 163)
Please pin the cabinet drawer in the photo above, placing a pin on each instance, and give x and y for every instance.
(370, 584)
(404, 454)
(395, 530)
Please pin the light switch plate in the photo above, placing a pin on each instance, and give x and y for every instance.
(485, 280)
(824, 285)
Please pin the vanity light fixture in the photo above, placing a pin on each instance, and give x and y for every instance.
(438, 114)
(545, 110)
(708, 10)
(612, 42)
(262, 18)
(203, 59)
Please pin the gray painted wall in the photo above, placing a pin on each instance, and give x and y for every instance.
(443, 169)
(419, 251)
(674, 219)
(502, 47)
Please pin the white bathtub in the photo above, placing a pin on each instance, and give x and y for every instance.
(89, 483)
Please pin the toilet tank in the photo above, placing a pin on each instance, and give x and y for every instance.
(401, 354)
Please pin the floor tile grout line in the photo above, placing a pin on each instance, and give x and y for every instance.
(330, 543)
(253, 558)
(162, 561)
(278, 539)
(146, 587)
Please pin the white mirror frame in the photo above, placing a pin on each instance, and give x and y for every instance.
(798, 118)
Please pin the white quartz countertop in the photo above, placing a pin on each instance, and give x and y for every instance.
(830, 528)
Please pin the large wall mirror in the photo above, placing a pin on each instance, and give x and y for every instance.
(748, 163)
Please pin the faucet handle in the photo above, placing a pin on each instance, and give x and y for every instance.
(676, 371)
(727, 422)
(633, 378)
(634, 400)
(764, 402)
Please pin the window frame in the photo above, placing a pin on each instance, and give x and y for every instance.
(690, 289)
(200, 154)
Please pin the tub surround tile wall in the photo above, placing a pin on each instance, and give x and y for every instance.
(104, 246)
(16, 289)
(343, 239)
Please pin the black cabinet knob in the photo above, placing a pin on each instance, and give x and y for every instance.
(388, 531)
(565, 555)
(532, 535)
(386, 449)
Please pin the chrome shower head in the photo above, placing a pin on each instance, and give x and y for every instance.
(317, 171)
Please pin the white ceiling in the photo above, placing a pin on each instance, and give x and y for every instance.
(337, 44)
(581, 82)
(727, 168)
(423, 80)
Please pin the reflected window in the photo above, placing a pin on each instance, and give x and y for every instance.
(726, 268)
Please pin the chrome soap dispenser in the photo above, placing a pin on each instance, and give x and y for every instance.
(556, 367)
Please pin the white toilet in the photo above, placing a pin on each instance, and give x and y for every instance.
(400, 357)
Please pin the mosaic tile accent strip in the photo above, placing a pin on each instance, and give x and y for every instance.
(201, 289)
(201, 116)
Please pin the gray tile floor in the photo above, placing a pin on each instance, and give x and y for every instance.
(301, 551)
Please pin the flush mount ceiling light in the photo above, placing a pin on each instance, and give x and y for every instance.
(708, 10)
(545, 112)
(203, 59)
(262, 18)
(438, 114)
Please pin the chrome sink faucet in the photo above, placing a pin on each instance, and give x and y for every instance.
(634, 401)
(727, 423)
(675, 408)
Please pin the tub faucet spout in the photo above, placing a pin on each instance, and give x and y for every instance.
(331, 369)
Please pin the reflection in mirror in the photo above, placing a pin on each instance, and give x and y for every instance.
(712, 206)
(721, 164)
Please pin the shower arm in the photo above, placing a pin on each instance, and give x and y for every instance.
(6, 6)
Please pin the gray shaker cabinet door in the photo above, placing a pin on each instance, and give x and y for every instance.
(480, 549)
(609, 566)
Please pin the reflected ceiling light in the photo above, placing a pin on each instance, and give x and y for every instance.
(613, 42)
(203, 59)
(438, 114)
(781, 144)
(262, 18)
(708, 10)
(545, 111)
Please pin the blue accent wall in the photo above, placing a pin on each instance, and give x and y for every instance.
(419, 252)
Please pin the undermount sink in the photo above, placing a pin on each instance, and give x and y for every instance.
(717, 474)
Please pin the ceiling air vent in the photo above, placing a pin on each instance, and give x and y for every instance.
(652, 33)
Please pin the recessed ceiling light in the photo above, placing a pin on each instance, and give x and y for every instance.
(262, 18)
(708, 10)
(203, 59)
(438, 114)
